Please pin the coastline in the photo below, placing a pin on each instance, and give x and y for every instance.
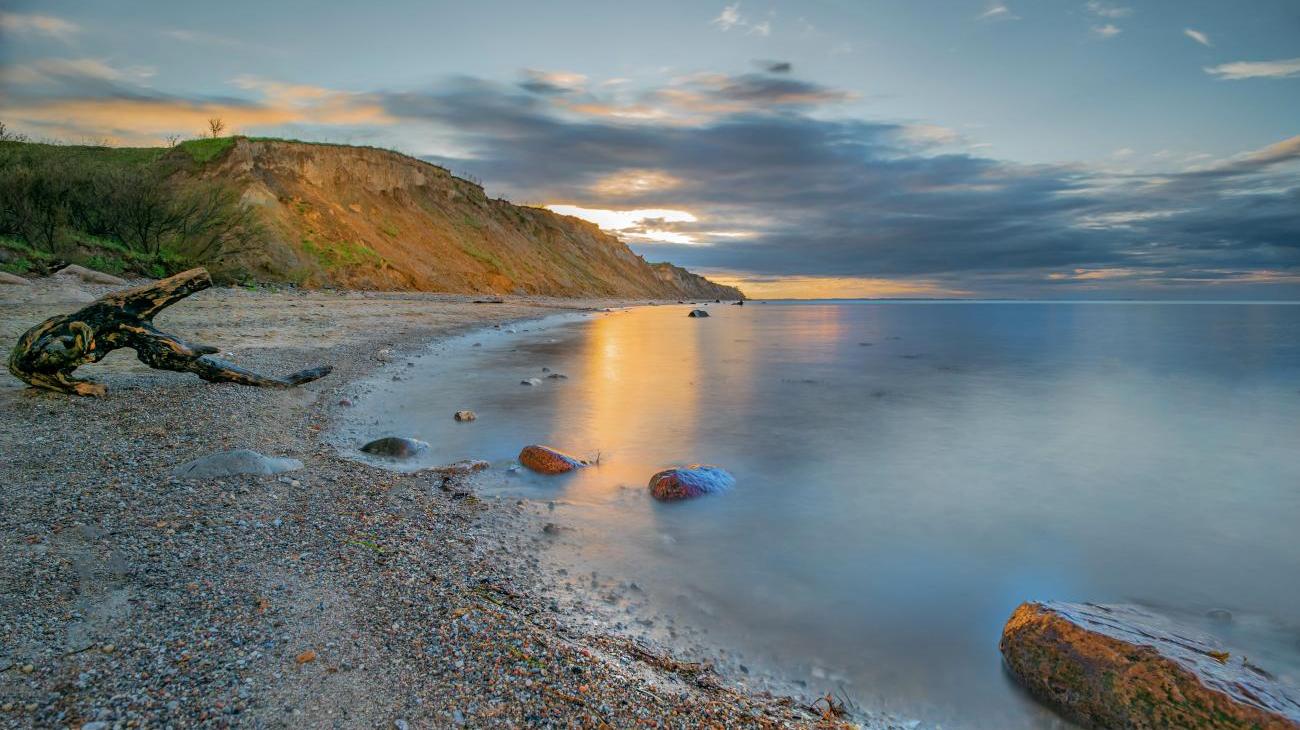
(338, 594)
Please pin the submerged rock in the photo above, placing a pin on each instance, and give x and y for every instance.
(545, 460)
(1121, 666)
(230, 463)
(395, 447)
(692, 481)
(465, 416)
(531, 381)
(698, 313)
(557, 376)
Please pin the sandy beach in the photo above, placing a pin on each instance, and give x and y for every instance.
(339, 595)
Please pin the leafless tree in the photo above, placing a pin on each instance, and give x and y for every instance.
(10, 136)
(173, 140)
(216, 127)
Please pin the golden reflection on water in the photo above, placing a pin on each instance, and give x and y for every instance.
(635, 369)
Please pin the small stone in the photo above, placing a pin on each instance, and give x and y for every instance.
(306, 656)
(28, 669)
(401, 725)
(546, 460)
(396, 447)
(345, 402)
(465, 416)
(108, 648)
(384, 355)
(96, 725)
(550, 528)
(698, 313)
(691, 481)
(531, 381)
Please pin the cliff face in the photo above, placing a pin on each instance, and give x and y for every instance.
(370, 218)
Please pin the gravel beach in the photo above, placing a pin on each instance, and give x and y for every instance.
(338, 595)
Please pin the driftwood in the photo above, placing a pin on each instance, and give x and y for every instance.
(48, 353)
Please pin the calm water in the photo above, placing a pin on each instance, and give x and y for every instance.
(907, 474)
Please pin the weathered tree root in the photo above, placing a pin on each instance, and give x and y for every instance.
(48, 353)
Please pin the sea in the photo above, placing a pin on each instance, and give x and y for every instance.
(907, 473)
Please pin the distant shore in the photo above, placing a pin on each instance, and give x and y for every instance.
(337, 594)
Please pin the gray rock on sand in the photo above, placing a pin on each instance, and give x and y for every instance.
(90, 276)
(395, 447)
(230, 463)
(698, 313)
(383, 355)
(8, 278)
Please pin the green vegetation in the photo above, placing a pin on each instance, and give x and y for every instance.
(341, 254)
(205, 150)
(117, 209)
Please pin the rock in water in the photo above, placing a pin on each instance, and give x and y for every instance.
(531, 381)
(692, 481)
(395, 447)
(698, 313)
(545, 460)
(465, 415)
(1121, 666)
(229, 463)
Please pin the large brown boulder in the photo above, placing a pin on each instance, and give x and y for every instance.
(545, 460)
(1124, 667)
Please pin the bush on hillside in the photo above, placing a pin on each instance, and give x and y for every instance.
(68, 205)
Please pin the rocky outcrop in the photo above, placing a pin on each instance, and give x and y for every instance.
(1124, 667)
(694, 286)
(546, 460)
(368, 218)
(695, 480)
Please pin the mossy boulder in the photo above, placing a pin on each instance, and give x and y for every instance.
(1123, 667)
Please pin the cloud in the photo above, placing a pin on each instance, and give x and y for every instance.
(1198, 36)
(764, 177)
(1280, 69)
(90, 98)
(1107, 10)
(775, 67)
(833, 199)
(731, 17)
(552, 82)
(998, 11)
(48, 25)
(1109, 30)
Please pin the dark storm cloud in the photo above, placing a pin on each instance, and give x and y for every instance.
(857, 198)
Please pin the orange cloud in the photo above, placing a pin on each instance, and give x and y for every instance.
(833, 287)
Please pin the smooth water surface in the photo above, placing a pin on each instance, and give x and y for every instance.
(907, 473)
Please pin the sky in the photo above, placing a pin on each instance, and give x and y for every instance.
(1062, 149)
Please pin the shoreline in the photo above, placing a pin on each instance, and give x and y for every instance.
(338, 594)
